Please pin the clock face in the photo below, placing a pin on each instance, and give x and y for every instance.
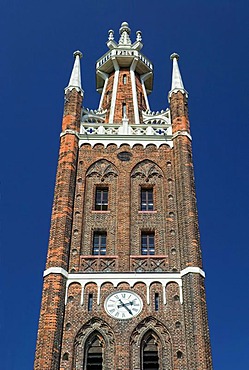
(123, 305)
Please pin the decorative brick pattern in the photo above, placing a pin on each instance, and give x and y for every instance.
(52, 307)
(179, 328)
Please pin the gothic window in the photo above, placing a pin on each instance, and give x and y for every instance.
(124, 79)
(124, 110)
(146, 199)
(150, 359)
(147, 243)
(99, 243)
(101, 199)
(94, 354)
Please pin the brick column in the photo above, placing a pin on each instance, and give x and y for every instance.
(185, 187)
(195, 312)
(52, 306)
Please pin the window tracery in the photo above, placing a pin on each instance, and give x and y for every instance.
(91, 344)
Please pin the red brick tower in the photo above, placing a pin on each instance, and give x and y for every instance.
(124, 285)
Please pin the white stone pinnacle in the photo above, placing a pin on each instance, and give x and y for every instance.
(75, 79)
(176, 75)
(177, 83)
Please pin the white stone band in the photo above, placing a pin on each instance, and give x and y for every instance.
(181, 133)
(71, 132)
(55, 270)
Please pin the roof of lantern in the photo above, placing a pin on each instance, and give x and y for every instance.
(122, 54)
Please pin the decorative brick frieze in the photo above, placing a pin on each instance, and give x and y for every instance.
(149, 263)
(100, 263)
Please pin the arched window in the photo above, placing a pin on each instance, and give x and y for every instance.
(124, 79)
(150, 358)
(124, 110)
(94, 353)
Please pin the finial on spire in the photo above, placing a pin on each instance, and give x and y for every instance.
(139, 36)
(79, 53)
(177, 83)
(111, 35)
(75, 79)
(174, 55)
(124, 32)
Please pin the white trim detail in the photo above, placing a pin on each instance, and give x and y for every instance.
(105, 76)
(143, 78)
(182, 133)
(56, 270)
(193, 270)
(115, 89)
(134, 90)
(132, 278)
(71, 132)
(129, 140)
(145, 134)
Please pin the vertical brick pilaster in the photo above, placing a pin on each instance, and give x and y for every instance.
(196, 323)
(52, 306)
(50, 323)
(195, 312)
(185, 186)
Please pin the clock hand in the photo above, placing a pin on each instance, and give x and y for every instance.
(124, 305)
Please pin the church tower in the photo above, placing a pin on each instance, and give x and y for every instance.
(124, 284)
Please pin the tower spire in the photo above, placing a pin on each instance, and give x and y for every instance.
(177, 83)
(75, 78)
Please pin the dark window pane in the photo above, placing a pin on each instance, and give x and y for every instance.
(156, 301)
(147, 243)
(94, 356)
(90, 302)
(147, 199)
(150, 355)
(124, 110)
(99, 243)
(101, 199)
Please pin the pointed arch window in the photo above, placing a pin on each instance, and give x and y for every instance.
(124, 79)
(150, 358)
(94, 353)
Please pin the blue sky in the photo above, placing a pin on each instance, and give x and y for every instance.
(37, 42)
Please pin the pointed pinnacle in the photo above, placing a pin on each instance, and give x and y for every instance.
(176, 75)
(75, 78)
(177, 83)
